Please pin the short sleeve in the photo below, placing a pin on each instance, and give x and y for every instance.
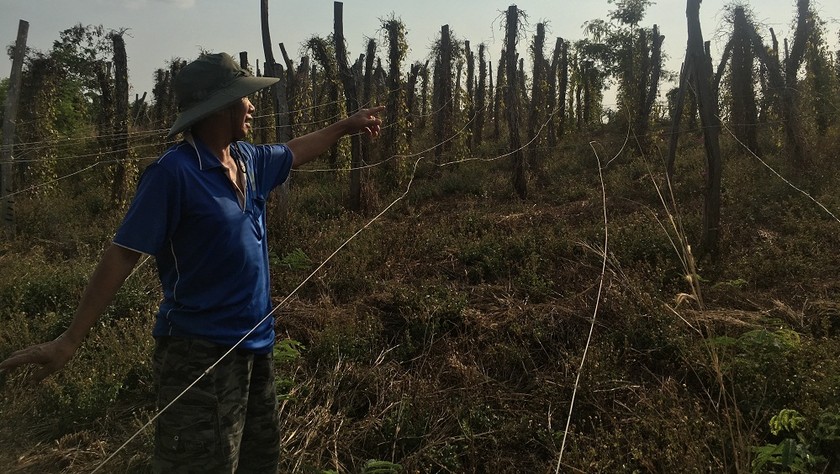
(272, 164)
(153, 214)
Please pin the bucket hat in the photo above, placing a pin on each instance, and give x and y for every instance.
(209, 84)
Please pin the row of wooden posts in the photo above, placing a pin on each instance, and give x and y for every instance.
(697, 74)
(442, 101)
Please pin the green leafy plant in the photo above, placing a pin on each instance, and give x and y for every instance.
(374, 466)
(285, 352)
(296, 260)
(799, 450)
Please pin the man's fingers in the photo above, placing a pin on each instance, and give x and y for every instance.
(22, 357)
(376, 110)
(15, 360)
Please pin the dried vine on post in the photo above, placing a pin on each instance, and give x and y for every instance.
(744, 112)
(9, 117)
(395, 134)
(552, 93)
(442, 93)
(120, 126)
(783, 85)
(322, 52)
(538, 89)
(520, 183)
(352, 101)
(650, 72)
(292, 86)
(470, 99)
(710, 238)
(480, 99)
(283, 132)
(367, 87)
(499, 97)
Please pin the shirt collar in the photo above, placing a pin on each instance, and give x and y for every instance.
(206, 159)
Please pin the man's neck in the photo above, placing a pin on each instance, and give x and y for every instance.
(211, 138)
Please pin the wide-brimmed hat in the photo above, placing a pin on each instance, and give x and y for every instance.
(209, 84)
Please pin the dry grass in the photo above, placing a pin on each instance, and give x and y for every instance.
(447, 337)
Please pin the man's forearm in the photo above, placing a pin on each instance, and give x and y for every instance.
(308, 147)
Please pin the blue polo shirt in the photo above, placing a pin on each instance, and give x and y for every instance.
(211, 252)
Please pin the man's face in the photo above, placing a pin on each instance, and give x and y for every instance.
(240, 116)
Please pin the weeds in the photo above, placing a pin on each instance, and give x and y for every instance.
(445, 338)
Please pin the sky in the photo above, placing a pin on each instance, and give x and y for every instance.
(158, 30)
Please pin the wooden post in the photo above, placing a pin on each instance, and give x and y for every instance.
(320, 49)
(352, 100)
(282, 129)
(424, 94)
(651, 70)
(442, 90)
(578, 92)
(535, 115)
(744, 112)
(411, 101)
(120, 143)
(520, 184)
(707, 103)
(367, 88)
(779, 85)
(6, 156)
(456, 92)
(292, 85)
(552, 92)
(138, 108)
(793, 61)
(471, 99)
(480, 99)
(524, 100)
(498, 98)
(105, 120)
(395, 133)
(563, 87)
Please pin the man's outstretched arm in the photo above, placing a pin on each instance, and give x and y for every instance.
(110, 274)
(307, 147)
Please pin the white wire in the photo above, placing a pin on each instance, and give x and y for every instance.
(594, 314)
(777, 173)
(274, 310)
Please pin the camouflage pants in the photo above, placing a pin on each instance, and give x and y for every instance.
(227, 423)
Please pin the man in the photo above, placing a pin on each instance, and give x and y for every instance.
(200, 211)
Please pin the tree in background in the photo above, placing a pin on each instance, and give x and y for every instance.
(631, 56)
(587, 79)
(820, 83)
(64, 92)
(165, 109)
(558, 74)
(743, 109)
(480, 99)
(782, 80)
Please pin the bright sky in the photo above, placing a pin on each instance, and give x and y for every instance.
(161, 29)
